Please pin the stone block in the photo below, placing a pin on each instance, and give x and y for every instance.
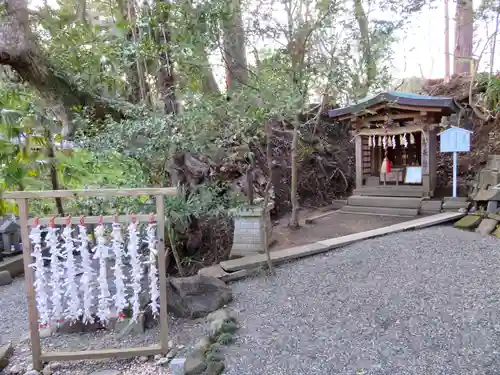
(468, 222)
(486, 226)
(5, 353)
(5, 278)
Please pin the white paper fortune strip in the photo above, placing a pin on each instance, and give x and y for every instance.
(370, 141)
(393, 141)
(120, 296)
(101, 253)
(384, 142)
(88, 274)
(405, 141)
(133, 253)
(40, 275)
(56, 273)
(153, 272)
(412, 139)
(73, 311)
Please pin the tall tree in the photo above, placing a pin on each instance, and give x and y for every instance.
(234, 52)
(464, 33)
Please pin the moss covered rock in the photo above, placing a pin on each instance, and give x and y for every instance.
(468, 222)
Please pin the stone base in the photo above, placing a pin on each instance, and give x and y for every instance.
(248, 235)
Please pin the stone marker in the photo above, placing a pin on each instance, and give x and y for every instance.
(5, 353)
(5, 278)
(486, 227)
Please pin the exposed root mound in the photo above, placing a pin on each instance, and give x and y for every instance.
(325, 164)
(478, 116)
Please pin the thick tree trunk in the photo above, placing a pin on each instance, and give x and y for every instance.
(294, 197)
(19, 50)
(234, 46)
(464, 32)
(366, 49)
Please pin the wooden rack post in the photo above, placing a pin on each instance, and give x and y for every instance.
(22, 199)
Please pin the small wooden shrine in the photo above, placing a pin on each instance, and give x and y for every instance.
(396, 136)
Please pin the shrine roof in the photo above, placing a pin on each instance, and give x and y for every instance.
(448, 104)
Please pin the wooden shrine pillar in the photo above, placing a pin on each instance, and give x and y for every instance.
(359, 162)
(433, 150)
(426, 178)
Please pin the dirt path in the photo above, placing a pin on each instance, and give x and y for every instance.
(334, 225)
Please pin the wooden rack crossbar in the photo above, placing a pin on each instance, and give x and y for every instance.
(88, 193)
(22, 199)
(94, 219)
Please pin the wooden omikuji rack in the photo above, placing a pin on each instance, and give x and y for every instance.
(22, 198)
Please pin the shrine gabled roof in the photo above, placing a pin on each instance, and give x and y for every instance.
(448, 104)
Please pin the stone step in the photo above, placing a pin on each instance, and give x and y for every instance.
(389, 202)
(431, 206)
(385, 192)
(382, 211)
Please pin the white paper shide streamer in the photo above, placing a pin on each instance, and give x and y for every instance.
(56, 273)
(73, 311)
(135, 262)
(153, 272)
(120, 296)
(101, 253)
(40, 275)
(87, 275)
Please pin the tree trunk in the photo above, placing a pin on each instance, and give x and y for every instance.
(464, 31)
(294, 219)
(165, 79)
(234, 47)
(54, 178)
(446, 42)
(366, 50)
(19, 50)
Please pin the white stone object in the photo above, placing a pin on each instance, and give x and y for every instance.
(249, 230)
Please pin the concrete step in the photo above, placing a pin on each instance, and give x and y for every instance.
(431, 206)
(382, 211)
(390, 202)
(394, 192)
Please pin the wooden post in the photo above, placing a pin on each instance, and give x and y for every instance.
(162, 270)
(359, 162)
(29, 279)
(426, 181)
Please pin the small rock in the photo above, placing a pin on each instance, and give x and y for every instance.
(158, 357)
(5, 278)
(216, 326)
(106, 372)
(17, 369)
(195, 364)
(196, 296)
(143, 359)
(180, 347)
(202, 345)
(177, 366)
(163, 361)
(32, 372)
(170, 344)
(486, 227)
(215, 368)
(5, 353)
(221, 314)
(172, 353)
(128, 326)
(47, 370)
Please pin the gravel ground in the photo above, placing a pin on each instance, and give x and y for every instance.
(420, 302)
